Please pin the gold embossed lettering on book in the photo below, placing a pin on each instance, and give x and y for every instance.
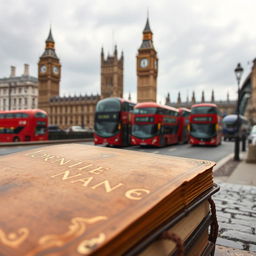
(73, 199)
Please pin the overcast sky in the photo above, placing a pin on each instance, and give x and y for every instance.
(199, 42)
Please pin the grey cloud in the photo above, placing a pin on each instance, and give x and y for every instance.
(195, 52)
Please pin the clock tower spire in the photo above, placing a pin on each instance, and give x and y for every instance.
(147, 67)
(49, 73)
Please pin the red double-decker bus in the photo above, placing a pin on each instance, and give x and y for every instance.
(112, 122)
(23, 125)
(183, 130)
(205, 124)
(154, 124)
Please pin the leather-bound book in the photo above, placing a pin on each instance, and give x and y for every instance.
(73, 199)
(183, 229)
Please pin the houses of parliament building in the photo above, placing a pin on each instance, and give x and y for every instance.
(79, 110)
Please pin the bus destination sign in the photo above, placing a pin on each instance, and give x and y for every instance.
(107, 116)
(203, 118)
(146, 119)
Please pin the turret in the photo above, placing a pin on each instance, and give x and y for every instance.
(179, 99)
(193, 98)
(202, 99)
(102, 54)
(49, 47)
(212, 98)
(168, 99)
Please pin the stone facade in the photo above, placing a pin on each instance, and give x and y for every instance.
(75, 110)
(112, 75)
(249, 88)
(18, 92)
(147, 68)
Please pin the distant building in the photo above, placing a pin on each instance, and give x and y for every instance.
(66, 111)
(18, 92)
(226, 107)
(73, 110)
(248, 95)
(147, 68)
(112, 70)
(247, 99)
(63, 111)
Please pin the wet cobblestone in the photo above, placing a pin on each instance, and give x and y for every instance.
(235, 206)
(229, 243)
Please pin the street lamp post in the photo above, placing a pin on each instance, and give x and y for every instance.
(238, 72)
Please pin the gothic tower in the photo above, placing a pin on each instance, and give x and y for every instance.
(112, 75)
(147, 67)
(49, 72)
(168, 99)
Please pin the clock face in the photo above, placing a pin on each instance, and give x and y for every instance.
(55, 70)
(144, 63)
(43, 69)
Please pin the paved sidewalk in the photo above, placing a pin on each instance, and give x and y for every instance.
(224, 251)
(243, 173)
(236, 205)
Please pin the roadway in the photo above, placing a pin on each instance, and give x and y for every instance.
(198, 152)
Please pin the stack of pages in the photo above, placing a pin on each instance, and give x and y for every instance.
(192, 229)
(73, 199)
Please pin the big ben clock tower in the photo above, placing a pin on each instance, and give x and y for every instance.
(147, 68)
(49, 72)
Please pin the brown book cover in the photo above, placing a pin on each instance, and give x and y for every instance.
(73, 199)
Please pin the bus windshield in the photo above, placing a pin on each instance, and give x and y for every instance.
(107, 117)
(109, 105)
(106, 123)
(41, 128)
(230, 124)
(204, 110)
(144, 131)
(204, 131)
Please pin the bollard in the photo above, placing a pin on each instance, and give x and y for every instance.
(251, 156)
(244, 143)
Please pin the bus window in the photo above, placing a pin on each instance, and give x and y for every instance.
(39, 114)
(108, 105)
(204, 110)
(145, 111)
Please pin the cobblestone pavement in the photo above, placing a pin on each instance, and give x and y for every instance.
(236, 214)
